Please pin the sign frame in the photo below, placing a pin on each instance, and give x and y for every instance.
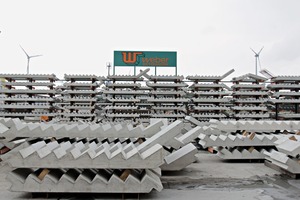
(156, 59)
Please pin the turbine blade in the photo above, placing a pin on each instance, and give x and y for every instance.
(260, 50)
(35, 56)
(253, 51)
(24, 51)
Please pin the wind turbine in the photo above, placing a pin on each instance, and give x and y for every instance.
(257, 59)
(28, 58)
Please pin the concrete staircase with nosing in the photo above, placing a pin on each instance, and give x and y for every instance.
(81, 162)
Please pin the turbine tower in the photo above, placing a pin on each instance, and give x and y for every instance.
(28, 58)
(257, 59)
(108, 66)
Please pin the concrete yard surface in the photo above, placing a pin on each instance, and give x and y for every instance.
(209, 178)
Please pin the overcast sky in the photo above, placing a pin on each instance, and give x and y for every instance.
(210, 37)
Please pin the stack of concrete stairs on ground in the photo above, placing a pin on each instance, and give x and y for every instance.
(27, 96)
(78, 98)
(5, 144)
(209, 99)
(94, 158)
(167, 95)
(246, 139)
(287, 155)
(250, 97)
(285, 97)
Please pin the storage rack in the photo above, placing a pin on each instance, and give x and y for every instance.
(250, 97)
(27, 96)
(210, 97)
(124, 98)
(79, 97)
(168, 96)
(285, 97)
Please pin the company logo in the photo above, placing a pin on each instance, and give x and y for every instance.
(132, 58)
(144, 58)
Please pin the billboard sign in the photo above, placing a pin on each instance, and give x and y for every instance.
(145, 58)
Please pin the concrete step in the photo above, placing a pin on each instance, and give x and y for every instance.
(82, 181)
(254, 125)
(283, 161)
(180, 158)
(78, 154)
(251, 139)
(22, 129)
(248, 153)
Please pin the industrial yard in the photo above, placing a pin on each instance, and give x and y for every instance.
(149, 137)
(150, 100)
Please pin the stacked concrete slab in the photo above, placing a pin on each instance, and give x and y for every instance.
(27, 96)
(124, 97)
(287, 155)
(78, 98)
(285, 97)
(210, 97)
(168, 96)
(141, 97)
(246, 139)
(250, 97)
(19, 129)
(179, 150)
(84, 180)
(6, 144)
(254, 125)
(116, 155)
(69, 164)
